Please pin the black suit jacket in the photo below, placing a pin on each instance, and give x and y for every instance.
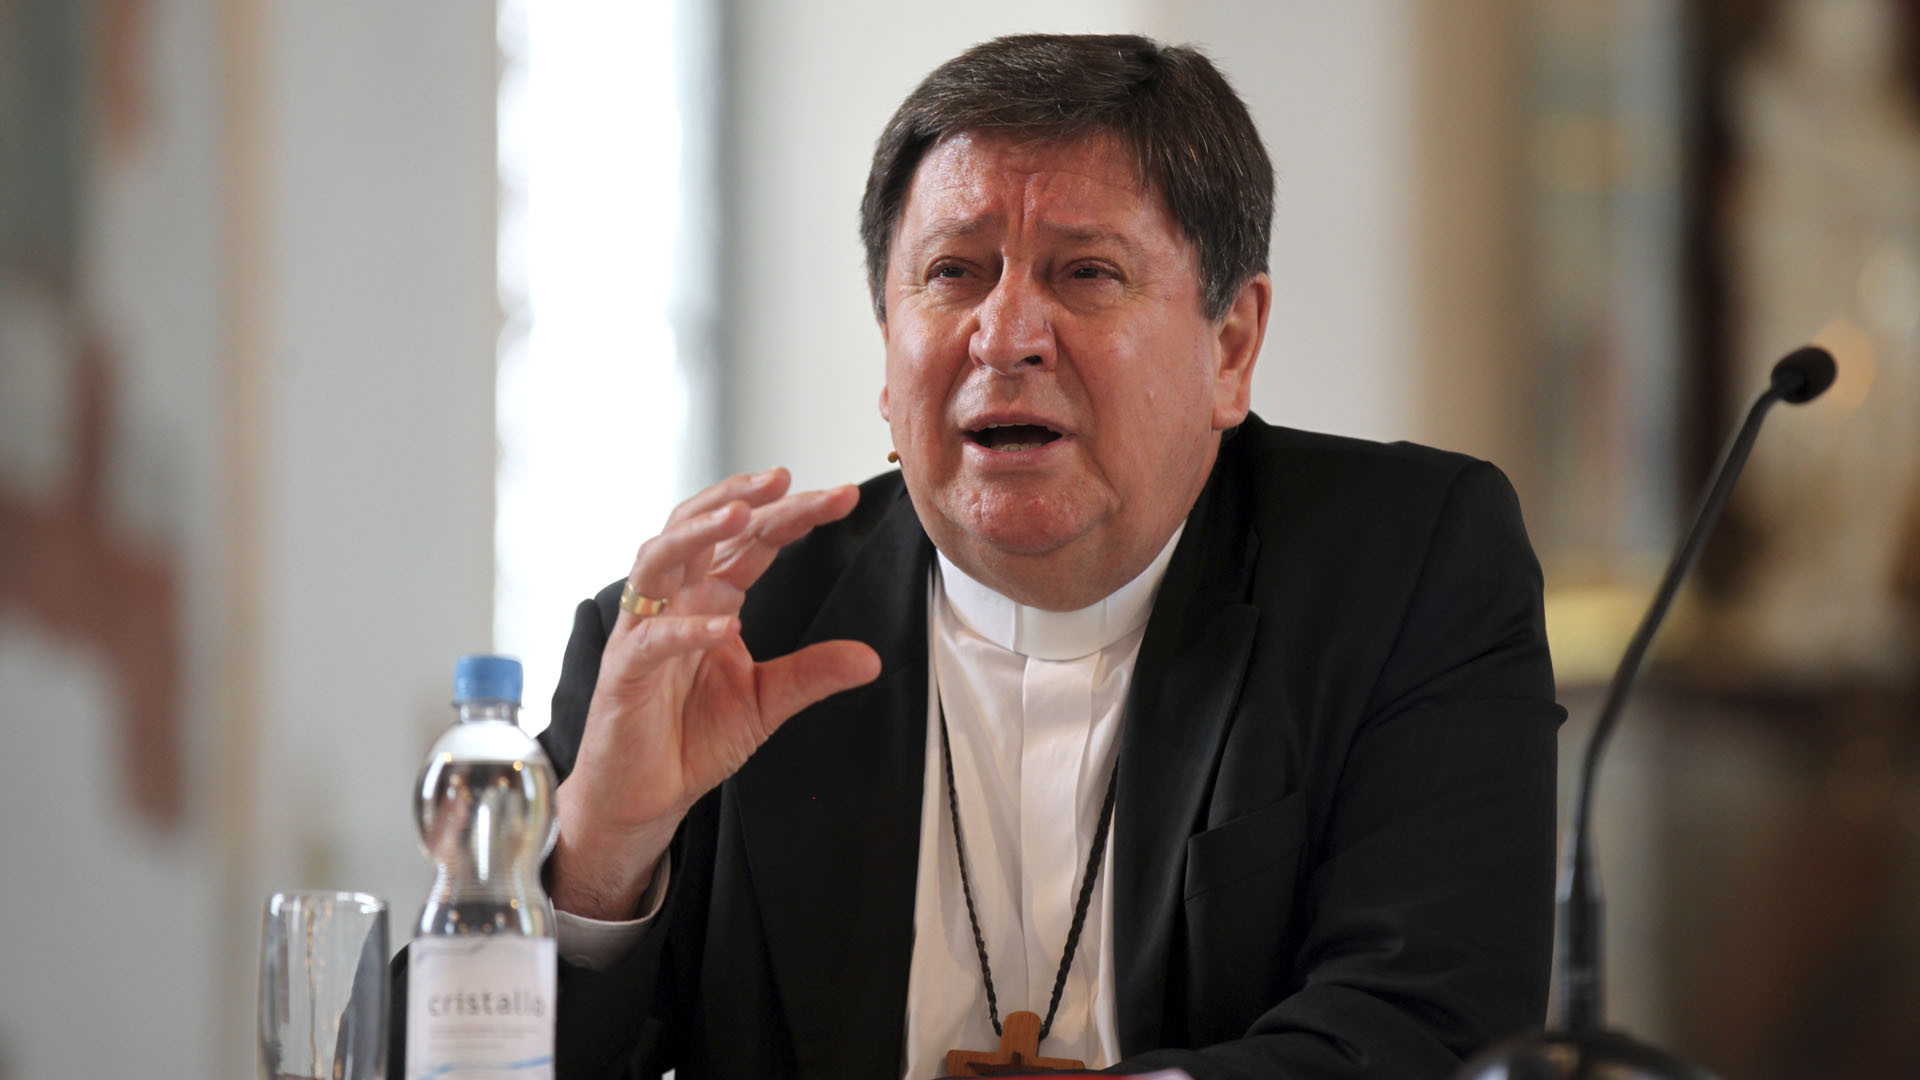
(1335, 822)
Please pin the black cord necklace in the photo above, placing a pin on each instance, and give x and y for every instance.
(1079, 908)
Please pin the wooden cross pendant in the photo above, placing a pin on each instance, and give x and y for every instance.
(1019, 1053)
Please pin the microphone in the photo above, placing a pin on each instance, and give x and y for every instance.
(1803, 374)
(1580, 1046)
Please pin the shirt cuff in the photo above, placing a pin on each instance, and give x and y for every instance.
(595, 944)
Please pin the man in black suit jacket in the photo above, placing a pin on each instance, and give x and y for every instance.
(1334, 798)
(1333, 838)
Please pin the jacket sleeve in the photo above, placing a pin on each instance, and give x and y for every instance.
(614, 1022)
(1427, 896)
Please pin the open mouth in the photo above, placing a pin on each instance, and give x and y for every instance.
(1009, 438)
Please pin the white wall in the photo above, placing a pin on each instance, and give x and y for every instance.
(367, 233)
(294, 266)
(1332, 88)
(109, 941)
(377, 505)
(1329, 86)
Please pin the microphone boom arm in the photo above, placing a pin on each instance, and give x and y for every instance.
(1803, 375)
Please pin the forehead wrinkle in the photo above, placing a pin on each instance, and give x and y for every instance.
(968, 226)
(957, 227)
(964, 227)
(939, 233)
(1062, 216)
(1092, 235)
(978, 205)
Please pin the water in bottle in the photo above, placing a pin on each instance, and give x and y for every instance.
(481, 968)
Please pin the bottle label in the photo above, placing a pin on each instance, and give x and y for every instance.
(480, 1008)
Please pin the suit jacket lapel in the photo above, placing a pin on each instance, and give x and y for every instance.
(830, 812)
(1192, 662)
(831, 821)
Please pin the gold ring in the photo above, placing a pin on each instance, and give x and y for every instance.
(635, 604)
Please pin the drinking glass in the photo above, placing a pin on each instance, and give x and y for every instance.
(323, 987)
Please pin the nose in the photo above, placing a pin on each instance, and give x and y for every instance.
(1014, 332)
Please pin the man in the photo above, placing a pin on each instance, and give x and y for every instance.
(1225, 747)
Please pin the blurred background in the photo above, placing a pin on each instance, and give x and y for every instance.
(339, 339)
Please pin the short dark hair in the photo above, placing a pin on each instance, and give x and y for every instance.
(1192, 139)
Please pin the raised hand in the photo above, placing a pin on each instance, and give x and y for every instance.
(680, 705)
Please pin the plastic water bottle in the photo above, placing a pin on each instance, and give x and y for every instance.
(481, 970)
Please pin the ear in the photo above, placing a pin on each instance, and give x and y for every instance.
(881, 322)
(1237, 340)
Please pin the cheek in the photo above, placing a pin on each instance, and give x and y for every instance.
(1153, 419)
(899, 390)
(1154, 391)
(911, 412)
(918, 376)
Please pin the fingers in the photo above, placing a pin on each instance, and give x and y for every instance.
(732, 541)
(684, 551)
(647, 643)
(741, 562)
(793, 682)
(754, 489)
(783, 522)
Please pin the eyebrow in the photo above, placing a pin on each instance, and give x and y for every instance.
(961, 228)
(953, 228)
(1094, 234)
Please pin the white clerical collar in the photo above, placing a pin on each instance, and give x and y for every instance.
(1055, 635)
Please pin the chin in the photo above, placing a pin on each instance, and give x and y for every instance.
(1016, 542)
(1017, 523)
(1022, 529)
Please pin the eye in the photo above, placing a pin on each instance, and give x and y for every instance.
(1092, 272)
(949, 268)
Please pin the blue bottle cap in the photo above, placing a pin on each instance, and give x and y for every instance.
(481, 677)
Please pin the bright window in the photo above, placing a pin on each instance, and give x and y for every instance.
(594, 401)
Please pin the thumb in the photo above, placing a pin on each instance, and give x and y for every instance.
(792, 682)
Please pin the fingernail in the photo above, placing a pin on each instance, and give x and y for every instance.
(718, 624)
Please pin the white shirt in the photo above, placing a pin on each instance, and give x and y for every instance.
(1033, 702)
